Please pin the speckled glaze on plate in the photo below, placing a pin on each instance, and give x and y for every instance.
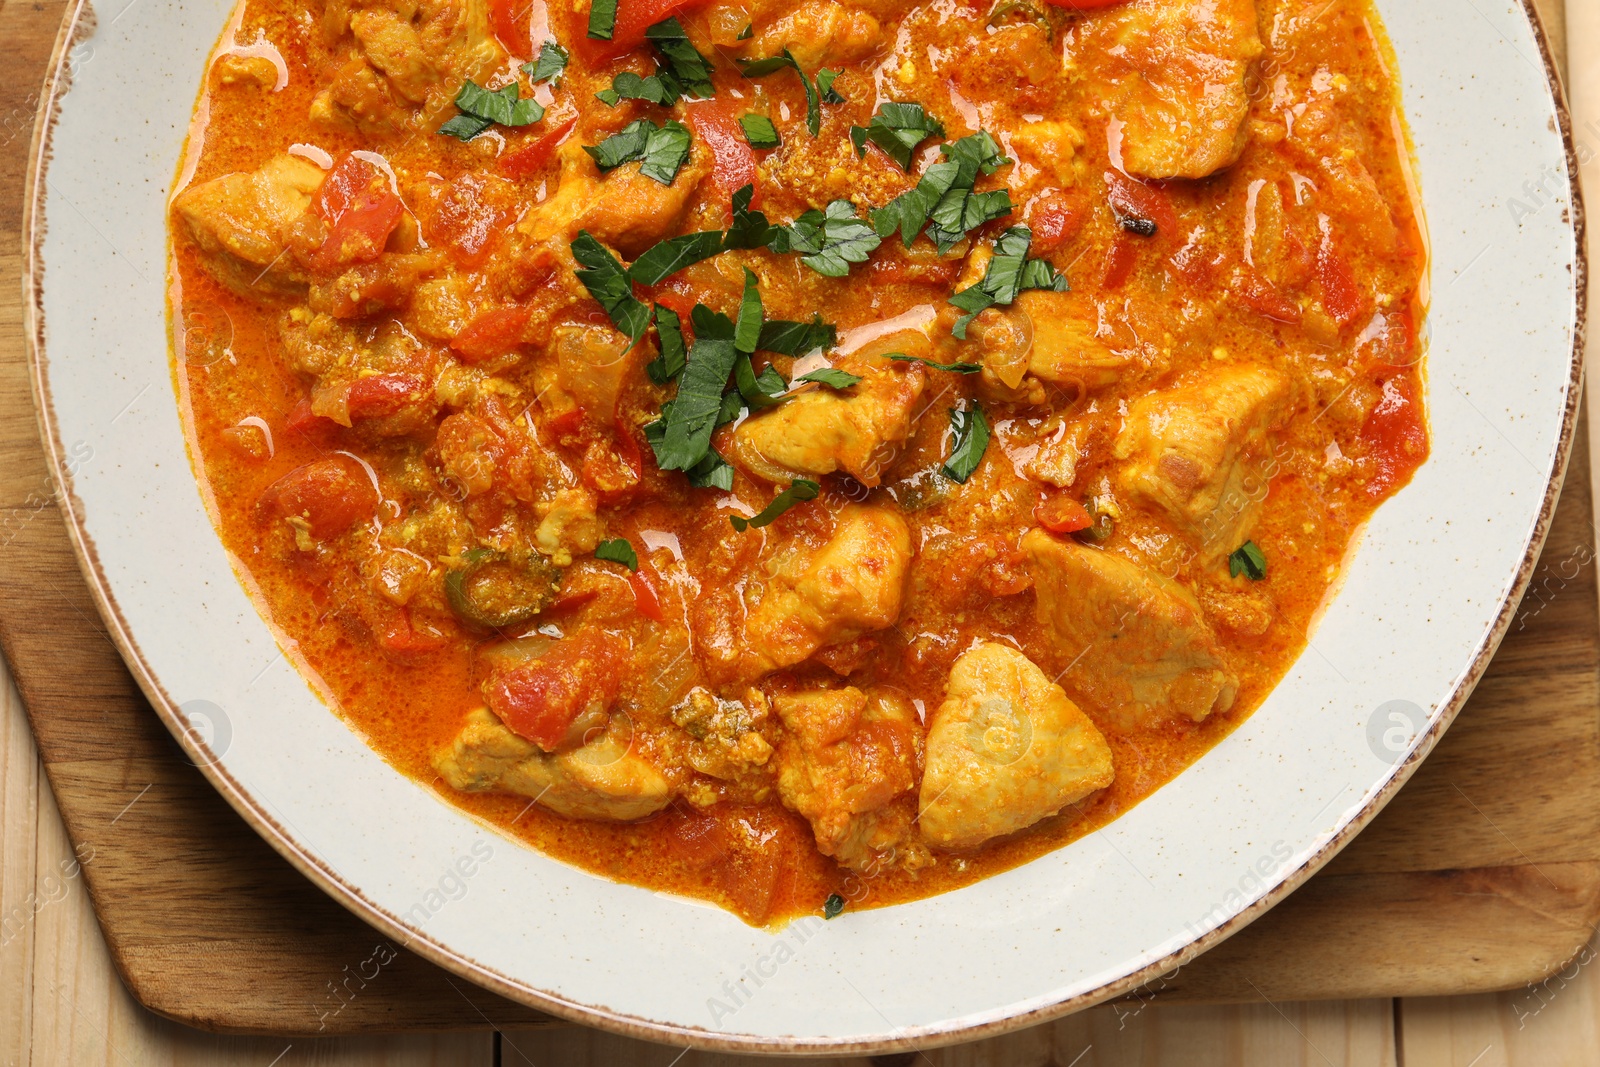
(1427, 595)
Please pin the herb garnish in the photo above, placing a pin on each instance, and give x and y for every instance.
(1248, 559)
(832, 377)
(684, 63)
(816, 91)
(629, 86)
(667, 257)
(602, 19)
(832, 906)
(670, 363)
(1009, 272)
(799, 490)
(897, 129)
(759, 131)
(797, 338)
(618, 550)
(750, 228)
(683, 439)
(482, 108)
(607, 281)
(971, 432)
(943, 199)
(955, 368)
(829, 241)
(551, 62)
(663, 149)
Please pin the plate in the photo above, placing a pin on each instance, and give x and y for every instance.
(1427, 595)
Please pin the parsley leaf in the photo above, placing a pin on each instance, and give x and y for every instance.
(816, 91)
(618, 550)
(670, 363)
(797, 338)
(602, 19)
(829, 241)
(897, 129)
(1009, 272)
(800, 489)
(685, 435)
(713, 472)
(758, 391)
(955, 368)
(832, 906)
(759, 131)
(663, 149)
(665, 258)
(1248, 559)
(629, 86)
(713, 324)
(748, 32)
(608, 282)
(551, 62)
(684, 63)
(482, 108)
(971, 431)
(943, 199)
(832, 377)
(750, 228)
(747, 331)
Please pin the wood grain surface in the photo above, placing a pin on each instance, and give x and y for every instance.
(1481, 875)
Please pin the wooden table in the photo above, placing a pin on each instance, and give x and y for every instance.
(60, 1002)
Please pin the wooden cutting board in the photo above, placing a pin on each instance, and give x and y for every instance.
(1483, 874)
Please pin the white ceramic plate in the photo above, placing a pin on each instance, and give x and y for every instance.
(1427, 597)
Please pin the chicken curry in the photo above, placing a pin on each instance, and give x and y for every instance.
(798, 454)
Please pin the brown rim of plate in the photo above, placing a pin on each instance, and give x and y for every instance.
(79, 20)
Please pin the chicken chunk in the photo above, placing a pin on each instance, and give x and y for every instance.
(1067, 346)
(570, 526)
(1139, 647)
(856, 430)
(1005, 749)
(240, 224)
(1196, 452)
(622, 208)
(1062, 446)
(819, 33)
(850, 586)
(602, 780)
(848, 763)
(1177, 82)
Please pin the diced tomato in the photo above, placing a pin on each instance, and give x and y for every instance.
(529, 159)
(1264, 298)
(511, 20)
(492, 333)
(1395, 435)
(331, 495)
(1060, 513)
(465, 215)
(1084, 5)
(302, 420)
(567, 423)
(1342, 298)
(644, 595)
(383, 394)
(398, 633)
(633, 18)
(539, 700)
(1135, 199)
(1120, 258)
(697, 840)
(733, 161)
(628, 447)
(361, 212)
(1055, 217)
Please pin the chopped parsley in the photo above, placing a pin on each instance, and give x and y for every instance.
(759, 131)
(829, 241)
(832, 906)
(662, 150)
(897, 129)
(1009, 272)
(954, 368)
(750, 228)
(1249, 560)
(713, 472)
(607, 281)
(801, 489)
(684, 438)
(665, 258)
(832, 377)
(618, 550)
(548, 67)
(797, 338)
(670, 363)
(684, 66)
(629, 86)
(971, 433)
(602, 19)
(816, 91)
(481, 108)
(943, 199)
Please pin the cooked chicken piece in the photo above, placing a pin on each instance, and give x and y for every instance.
(1005, 749)
(856, 430)
(1177, 82)
(622, 208)
(848, 763)
(1062, 445)
(1138, 645)
(1195, 452)
(819, 33)
(569, 526)
(1050, 145)
(1067, 349)
(727, 742)
(601, 780)
(852, 585)
(240, 223)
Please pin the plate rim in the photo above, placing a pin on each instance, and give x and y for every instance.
(78, 23)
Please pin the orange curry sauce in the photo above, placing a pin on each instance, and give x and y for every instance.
(394, 380)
